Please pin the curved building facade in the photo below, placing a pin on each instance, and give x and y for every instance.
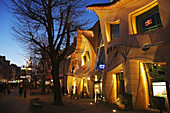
(137, 59)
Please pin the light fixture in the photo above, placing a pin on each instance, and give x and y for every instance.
(114, 111)
(147, 46)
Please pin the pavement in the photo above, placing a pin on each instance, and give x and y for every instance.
(13, 103)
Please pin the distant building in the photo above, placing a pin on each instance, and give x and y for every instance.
(16, 72)
(7, 71)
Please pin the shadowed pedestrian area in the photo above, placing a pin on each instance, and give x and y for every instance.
(13, 103)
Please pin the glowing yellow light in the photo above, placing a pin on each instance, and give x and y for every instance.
(29, 68)
(114, 111)
(91, 103)
(114, 87)
(88, 78)
(143, 73)
(143, 76)
(95, 77)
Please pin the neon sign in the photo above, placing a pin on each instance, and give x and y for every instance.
(148, 22)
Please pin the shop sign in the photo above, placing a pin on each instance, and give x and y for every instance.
(148, 22)
(101, 66)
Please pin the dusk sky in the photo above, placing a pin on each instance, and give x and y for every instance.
(9, 47)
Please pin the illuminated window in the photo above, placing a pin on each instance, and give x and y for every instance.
(84, 58)
(159, 89)
(149, 20)
(155, 71)
(156, 85)
(114, 31)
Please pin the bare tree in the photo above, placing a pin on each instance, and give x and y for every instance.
(55, 22)
(39, 67)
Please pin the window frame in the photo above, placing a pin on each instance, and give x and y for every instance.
(132, 16)
(116, 28)
(152, 13)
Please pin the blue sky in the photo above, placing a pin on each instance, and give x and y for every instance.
(10, 47)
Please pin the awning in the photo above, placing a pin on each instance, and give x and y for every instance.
(123, 49)
(120, 46)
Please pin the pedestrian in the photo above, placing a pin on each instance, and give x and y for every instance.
(30, 86)
(48, 88)
(1, 88)
(72, 92)
(9, 87)
(20, 89)
(63, 90)
(4, 87)
(25, 91)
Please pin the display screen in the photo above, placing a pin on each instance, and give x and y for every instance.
(159, 89)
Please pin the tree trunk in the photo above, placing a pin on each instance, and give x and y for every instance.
(43, 85)
(56, 82)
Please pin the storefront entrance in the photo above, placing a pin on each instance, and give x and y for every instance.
(157, 87)
(120, 84)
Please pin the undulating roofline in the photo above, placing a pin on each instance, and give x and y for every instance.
(103, 4)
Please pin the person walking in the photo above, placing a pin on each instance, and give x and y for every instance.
(4, 87)
(63, 90)
(9, 87)
(20, 89)
(1, 88)
(72, 92)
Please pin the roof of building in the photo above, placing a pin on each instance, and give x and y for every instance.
(103, 4)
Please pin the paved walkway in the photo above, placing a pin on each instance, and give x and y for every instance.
(14, 104)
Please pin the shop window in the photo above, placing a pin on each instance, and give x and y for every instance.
(149, 20)
(155, 71)
(159, 89)
(156, 84)
(114, 31)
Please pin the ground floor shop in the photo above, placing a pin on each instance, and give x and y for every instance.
(86, 87)
(138, 84)
(78, 86)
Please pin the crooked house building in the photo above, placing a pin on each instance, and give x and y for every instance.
(84, 77)
(136, 37)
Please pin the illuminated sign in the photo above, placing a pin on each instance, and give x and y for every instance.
(101, 66)
(159, 89)
(22, 76)
(148, 22)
